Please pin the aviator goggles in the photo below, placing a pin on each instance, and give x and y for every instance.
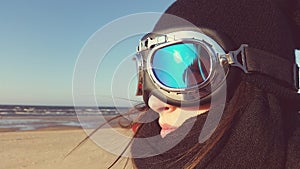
(188, 66)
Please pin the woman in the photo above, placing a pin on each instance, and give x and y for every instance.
(182, 73)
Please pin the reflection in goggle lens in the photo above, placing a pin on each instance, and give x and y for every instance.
(181, 65)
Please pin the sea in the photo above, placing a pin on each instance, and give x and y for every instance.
(28, 117)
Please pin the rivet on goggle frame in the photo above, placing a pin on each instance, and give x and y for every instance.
(151, 42)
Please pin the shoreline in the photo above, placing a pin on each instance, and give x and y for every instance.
(36, 123)
(51, 128)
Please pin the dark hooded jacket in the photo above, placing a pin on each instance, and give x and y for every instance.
(265, 130)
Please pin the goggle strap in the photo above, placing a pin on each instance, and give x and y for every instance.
(252, 60)
(269, 64)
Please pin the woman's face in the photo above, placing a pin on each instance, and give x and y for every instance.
(172, 117)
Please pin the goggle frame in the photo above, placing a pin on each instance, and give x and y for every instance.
(219, 64)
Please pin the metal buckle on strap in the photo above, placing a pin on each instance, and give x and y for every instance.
(296, 76)
(232, 58)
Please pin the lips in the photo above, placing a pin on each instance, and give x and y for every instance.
(166, 129)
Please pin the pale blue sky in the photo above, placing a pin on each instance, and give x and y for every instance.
(41, 40)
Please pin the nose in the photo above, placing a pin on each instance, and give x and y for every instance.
(160, 106)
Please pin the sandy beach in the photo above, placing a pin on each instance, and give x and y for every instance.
(46, 149)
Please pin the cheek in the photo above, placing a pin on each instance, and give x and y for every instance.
(170, 118)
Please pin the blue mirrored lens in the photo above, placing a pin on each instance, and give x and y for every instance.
(182, 65)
